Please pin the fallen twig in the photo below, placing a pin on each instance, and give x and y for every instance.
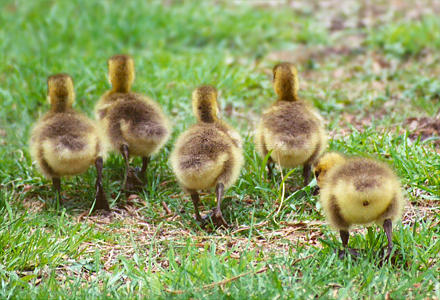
(249, 227)
(166, 208)
(300, 259)
(303, 224)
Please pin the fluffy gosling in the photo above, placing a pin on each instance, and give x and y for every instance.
(358, 191)
(290, 129)
(133, 124)
(65, 142)
(208, 154)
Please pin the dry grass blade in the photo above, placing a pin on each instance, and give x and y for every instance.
(225, 281)
(219, 283)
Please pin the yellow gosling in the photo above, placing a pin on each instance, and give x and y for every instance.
(358, 191)
(133, 124)
(65, 142)
(208, 154)
(290, 129)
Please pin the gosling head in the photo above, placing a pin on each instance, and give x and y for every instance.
(204, 103)
(324, 164)
(60, 92)
(285, 81)
(121, 72)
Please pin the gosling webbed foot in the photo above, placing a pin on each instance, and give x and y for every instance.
(100, 201)
(100, 198)
(103, 212)
(270, 167)
(141, 175)
(200, 219)
(389, 251)
(353, 252)
(133, 182)
(345, 236)
(217, 219)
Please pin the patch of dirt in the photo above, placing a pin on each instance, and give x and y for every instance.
(302, 54)
(33, 205)
(424, 128)
(337, 15)
(135, 233)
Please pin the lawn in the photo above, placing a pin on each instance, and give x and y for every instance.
(372, 69)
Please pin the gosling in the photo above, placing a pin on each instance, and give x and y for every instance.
(65, 142)
(290, 129)
(358, 191)
(133, 124)
(208, 154)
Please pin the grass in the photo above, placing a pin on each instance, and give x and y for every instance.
(408, 37)
(365, 94)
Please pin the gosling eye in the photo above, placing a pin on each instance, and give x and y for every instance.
(317, 172)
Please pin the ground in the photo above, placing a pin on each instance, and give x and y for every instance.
(371, 68)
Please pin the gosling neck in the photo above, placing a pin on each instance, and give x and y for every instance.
(206, 116)
(121, 87)
(60, 104)
(286, 88)
(288, 96)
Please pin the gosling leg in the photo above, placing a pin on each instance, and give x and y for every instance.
(217, 213)
(143, 174)
(100, 198)
(307, 169)
(388, 227)
(56, 183)
(125, 155)
(196, 201)
(269, 165)
(131, 181)
(344, 238)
